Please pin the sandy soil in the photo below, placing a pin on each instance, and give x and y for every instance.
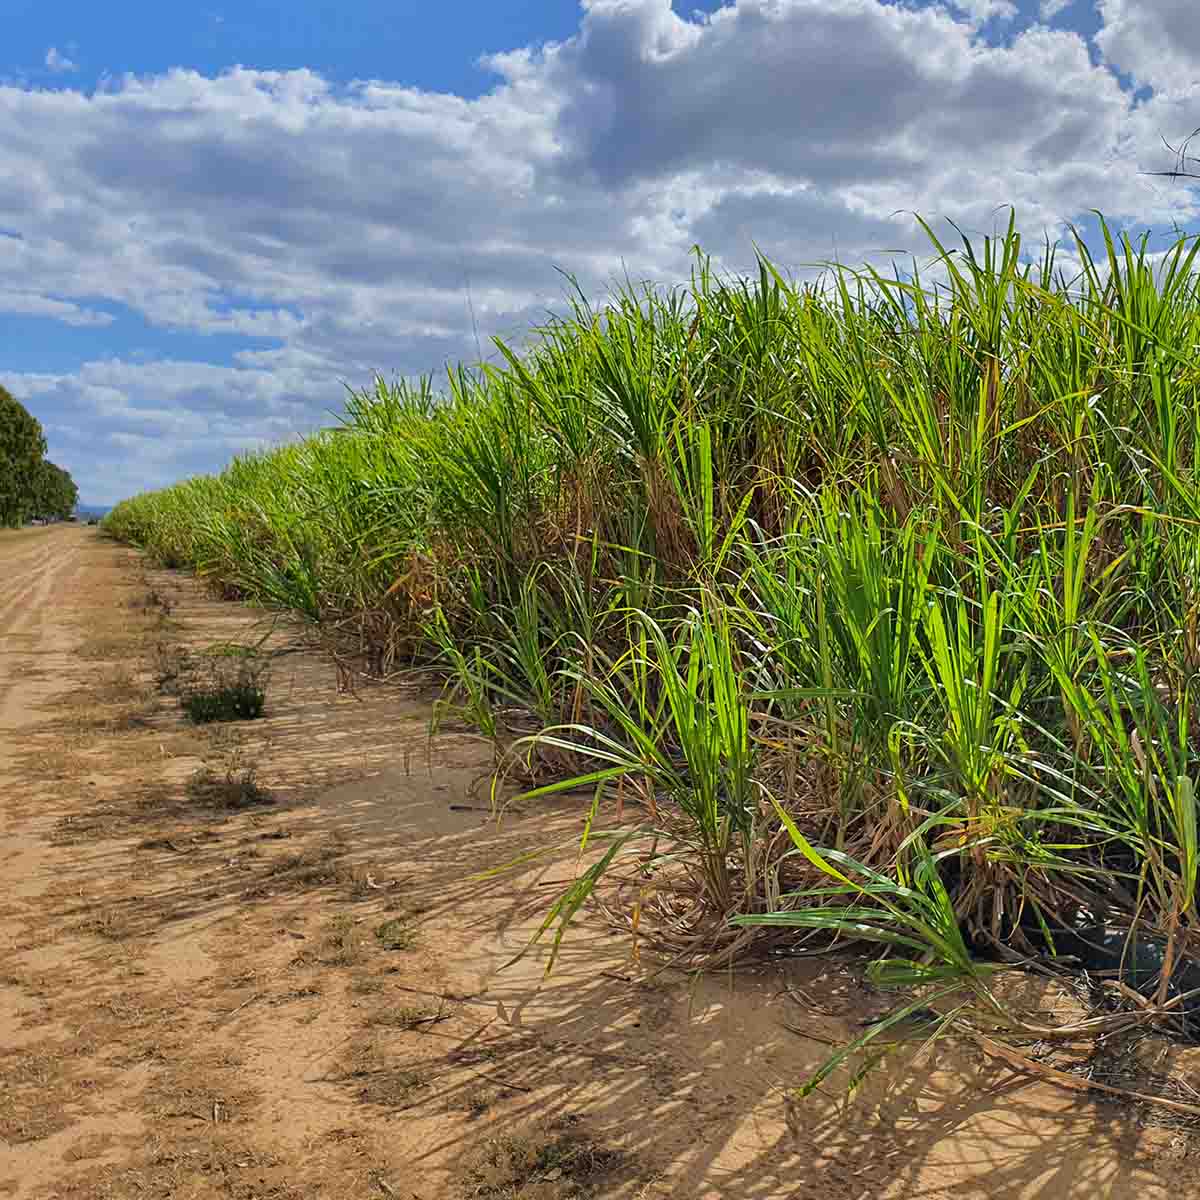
(208, 992)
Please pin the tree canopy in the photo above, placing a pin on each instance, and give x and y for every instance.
(30, 485)
(54, 491)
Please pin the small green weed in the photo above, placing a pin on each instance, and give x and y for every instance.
(342, 945)
(232, 687)
(396, 934)
(242, 700)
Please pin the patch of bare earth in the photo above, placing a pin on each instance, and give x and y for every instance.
(248, 960)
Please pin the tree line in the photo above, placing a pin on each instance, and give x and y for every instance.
(30, 484)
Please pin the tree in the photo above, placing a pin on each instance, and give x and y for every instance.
(30, 485)
(54, 491)
(22, 449)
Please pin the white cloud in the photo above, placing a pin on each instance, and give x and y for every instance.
(1052, 8)
(346, 223)
(26, 303)
(1156, 41)
(120, 426)
(58, 62)
(986, 10)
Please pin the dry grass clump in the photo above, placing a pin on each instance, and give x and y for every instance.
(375, 1076)
(44, 1090)
(343, 944)
(552, 1160)
(227, 787)
(407, 1017)
(229, 777)
(396, 933)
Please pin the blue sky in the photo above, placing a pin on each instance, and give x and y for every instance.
(217, 215)
(426, 45)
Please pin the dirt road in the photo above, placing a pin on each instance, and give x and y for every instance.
(247, 961)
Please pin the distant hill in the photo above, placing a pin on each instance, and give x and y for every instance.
(83, 511)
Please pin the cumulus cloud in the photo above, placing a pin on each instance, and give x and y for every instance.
(58, 62)
(987, 10)
(123, 426)
(1050, 9)
(332, 231)
(35, 304)
(1155, 41)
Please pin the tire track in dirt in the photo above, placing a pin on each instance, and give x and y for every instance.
(34, 587)
(20, 576)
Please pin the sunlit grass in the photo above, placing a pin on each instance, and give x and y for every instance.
(903, 569)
